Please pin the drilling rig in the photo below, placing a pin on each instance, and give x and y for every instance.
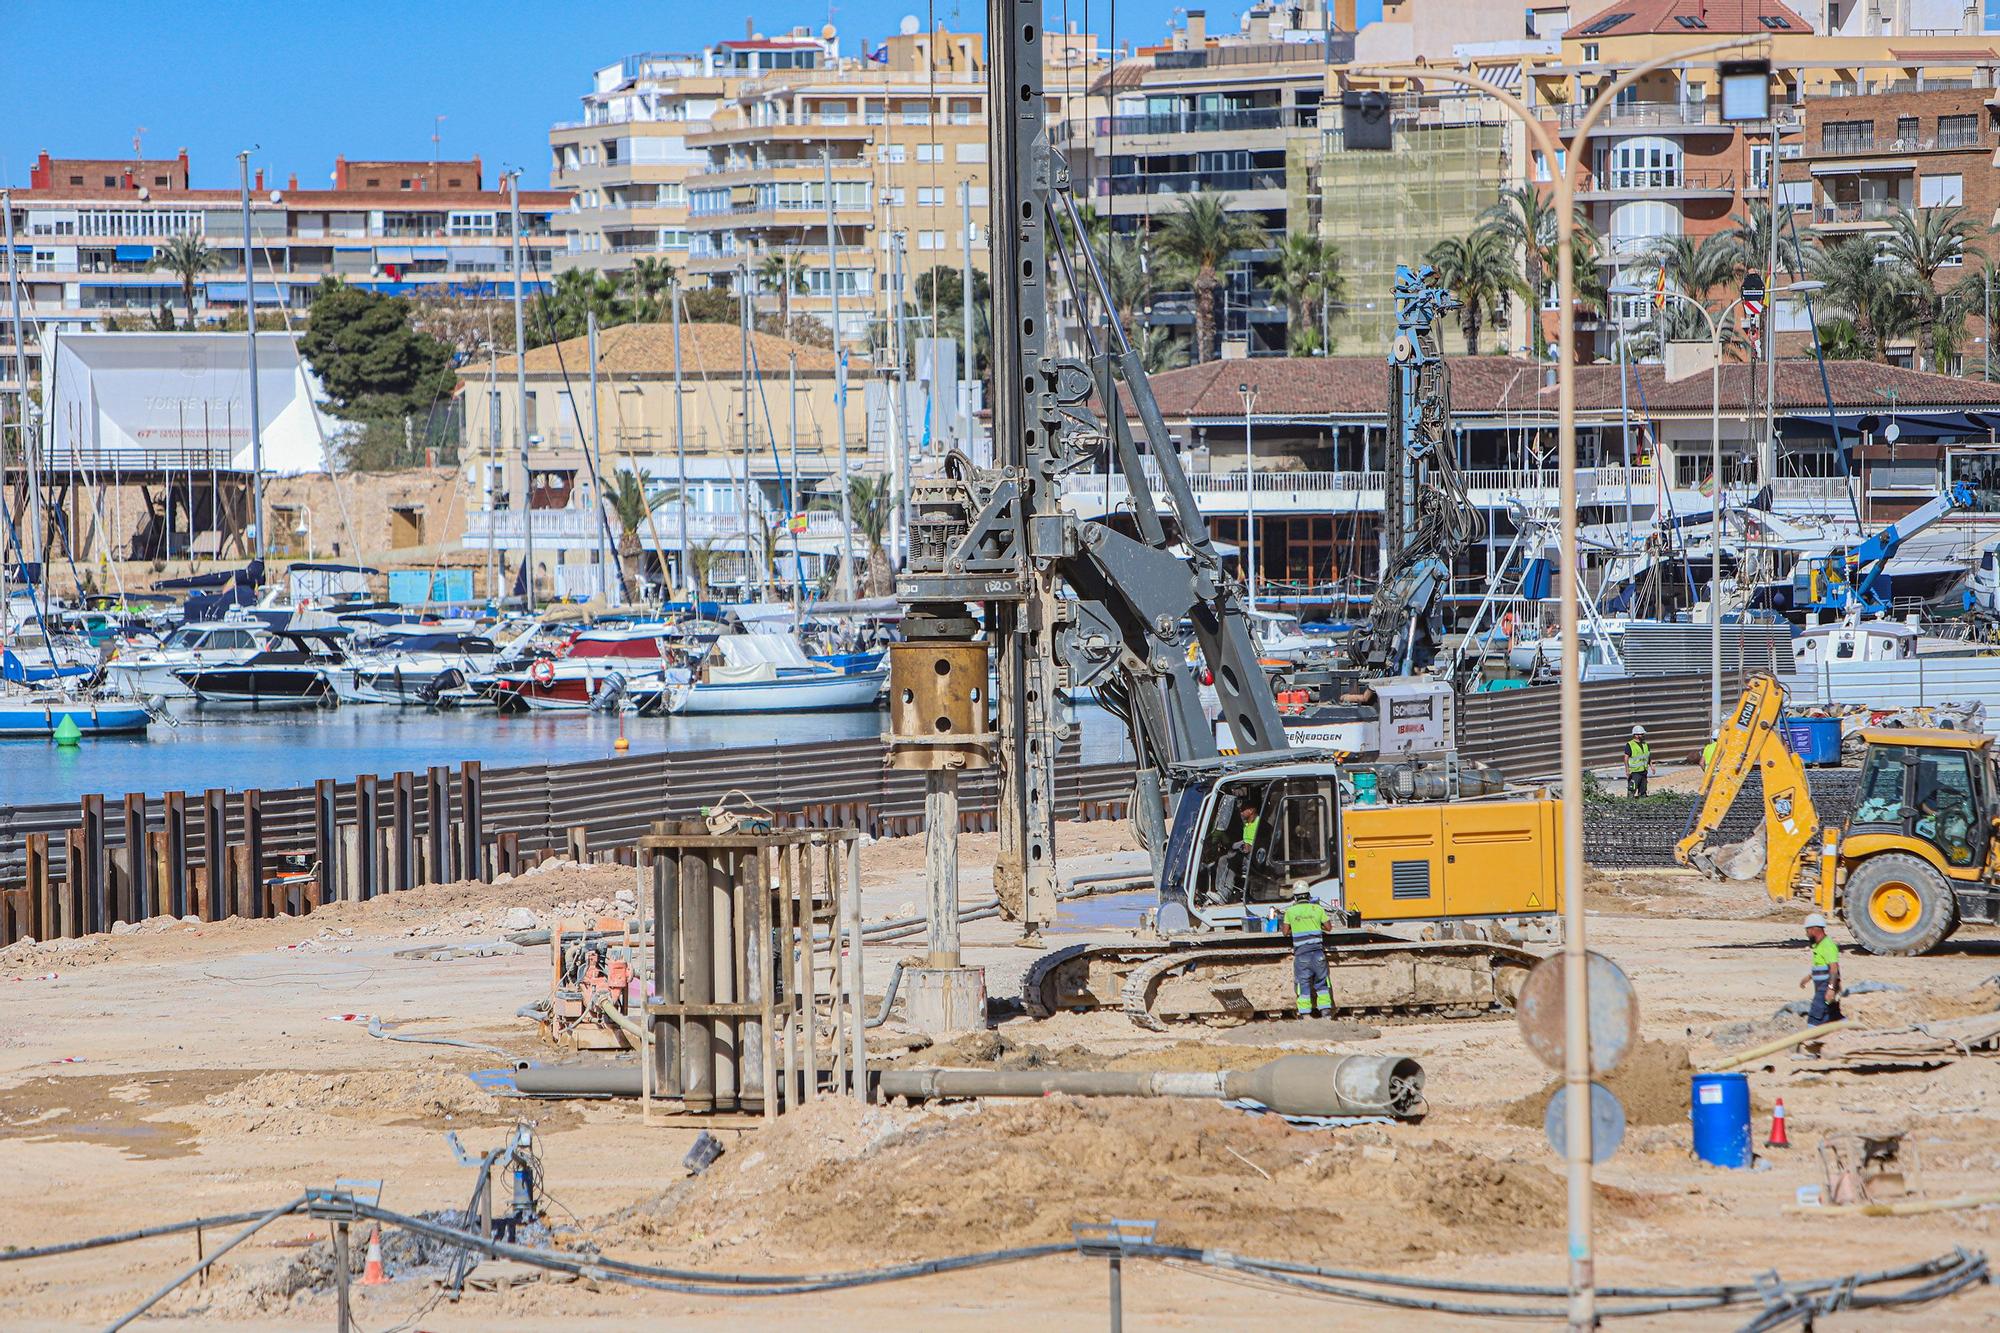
(997, 565)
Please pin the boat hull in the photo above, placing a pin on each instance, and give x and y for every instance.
(815, 695)
(246, 687)
(18, 721)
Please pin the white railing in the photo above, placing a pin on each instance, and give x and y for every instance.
(1512, 481)
(551, 524)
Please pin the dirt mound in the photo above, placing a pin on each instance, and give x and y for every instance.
(282, 1102)
(1652, 1083)
(840, 1180)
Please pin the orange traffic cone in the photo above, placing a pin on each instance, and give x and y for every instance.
(372, 1275)
(1778, 1139)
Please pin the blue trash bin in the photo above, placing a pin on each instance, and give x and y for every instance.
(1816, 740)
(1720, 1109)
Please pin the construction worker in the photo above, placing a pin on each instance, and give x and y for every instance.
(1708, 756)
(1306, 922)
(1823, 975)
(1638, 762)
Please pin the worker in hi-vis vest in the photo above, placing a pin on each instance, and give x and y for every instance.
(1638, 762)
(1306, 921)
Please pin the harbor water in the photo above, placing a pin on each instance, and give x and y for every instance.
(239, 750)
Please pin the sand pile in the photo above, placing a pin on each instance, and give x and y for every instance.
(1652, 1083)
(842, 1181)
(280, 1102)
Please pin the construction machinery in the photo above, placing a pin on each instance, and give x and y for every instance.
(1920, 854)
(1852, 582)
(1062, 598)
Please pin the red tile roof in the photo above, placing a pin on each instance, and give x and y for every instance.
(1717, 16)
(1358, 386)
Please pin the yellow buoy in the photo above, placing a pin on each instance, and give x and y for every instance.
(621, 745)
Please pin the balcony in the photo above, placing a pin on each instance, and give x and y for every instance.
(1222, 492)
(1850, 145)
(1187, 182)
(802, 129)
(1862, 212)
(1647, 115)
(1658, 181)
(1203, 122)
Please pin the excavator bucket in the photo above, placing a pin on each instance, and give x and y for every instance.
(1734, 861)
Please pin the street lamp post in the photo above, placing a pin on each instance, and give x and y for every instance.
(1716, 324)
(1576, 994)
(1249, 502)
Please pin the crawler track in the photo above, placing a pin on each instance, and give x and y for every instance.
(1382, 978)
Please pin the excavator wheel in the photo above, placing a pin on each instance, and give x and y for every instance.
(1899, 904)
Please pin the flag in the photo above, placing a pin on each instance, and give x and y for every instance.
(1660, 290)
(798, 522)
(1708, 485)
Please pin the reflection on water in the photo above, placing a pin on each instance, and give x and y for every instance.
(238, 750)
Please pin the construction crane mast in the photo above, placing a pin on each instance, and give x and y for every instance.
(1428, 519)
(1057, 592)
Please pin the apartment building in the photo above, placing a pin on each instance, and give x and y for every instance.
(852, 171)
(1228, 113)
(1663, 162)
(1886, 147)
(626, 161)
(88, 235)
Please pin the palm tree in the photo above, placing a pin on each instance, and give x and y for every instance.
(1132, 280)
(1840, 340)
(1879, 298)
(1922, 241)
(1526, 223)
(648, 282)
(782, 273)
(702, 560)
(1694, 268)
(1751, 236)
(1479, 271)
(630, 504)
(1308, 278)
(187, 258)
(868, 502)
(1159, 349)
(1199, 238)
(563, 310)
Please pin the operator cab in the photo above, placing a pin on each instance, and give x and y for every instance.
(1292, 815)
(1934, 786)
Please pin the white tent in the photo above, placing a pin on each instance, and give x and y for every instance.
(146, 401)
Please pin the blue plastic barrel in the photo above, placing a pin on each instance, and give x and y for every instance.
(1816, 740)
(1721, 1113)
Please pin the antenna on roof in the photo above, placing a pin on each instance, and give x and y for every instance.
(138, 135)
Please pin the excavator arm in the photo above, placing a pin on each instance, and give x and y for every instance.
(1750, 742)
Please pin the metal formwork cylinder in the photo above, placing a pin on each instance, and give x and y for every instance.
(937, 704)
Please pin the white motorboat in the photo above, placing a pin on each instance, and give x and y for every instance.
(151, 672)
(1280, 637)
(623, 659)
(410, 664)
(770, 673)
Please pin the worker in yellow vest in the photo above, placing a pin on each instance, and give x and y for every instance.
(1306, 922)
(1638, 762)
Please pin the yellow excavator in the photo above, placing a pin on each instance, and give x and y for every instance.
(1920, 854)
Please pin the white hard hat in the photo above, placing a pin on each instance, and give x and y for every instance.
(1815, 920)
(1301, 890)
(1638, 731)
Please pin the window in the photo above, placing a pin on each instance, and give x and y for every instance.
(1542, 165)
(930, 240)
(1590, 53)
(1760, 166)
(930, 196)
(1906, 131)
(1599, 26)
(1944, 805)
(893, 152)
(895, 197)
(930, 152)
(971, 152)
(979, 196)
(1643, 164)
(1958, 131)
(1939, 191)
(1691, 21)
(671, 194)
(1775, 22)
(833, 113)
(916, 113)
(1848, 136)
(961, 111)
(873, 113)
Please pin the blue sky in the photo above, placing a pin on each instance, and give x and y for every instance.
(307, 82)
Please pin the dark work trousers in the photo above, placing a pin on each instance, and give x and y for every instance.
(1309, 974)
(1635, 783)
(1825, 1008)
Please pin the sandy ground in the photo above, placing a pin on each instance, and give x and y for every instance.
(182, 1070)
